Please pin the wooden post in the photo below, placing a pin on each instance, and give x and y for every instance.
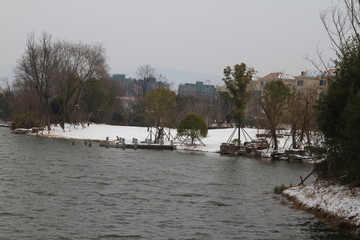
(123, 143)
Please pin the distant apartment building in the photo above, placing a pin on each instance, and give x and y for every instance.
(307, 81)
(129, 87)
(198, 90)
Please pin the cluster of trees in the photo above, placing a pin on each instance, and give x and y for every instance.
(339, 109)
(280, 104)
(60, 82)
(52, 76)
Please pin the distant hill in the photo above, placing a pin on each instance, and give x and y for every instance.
(180, 76)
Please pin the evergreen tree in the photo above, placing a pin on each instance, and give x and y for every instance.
(192, 126)
(340, 115)
(236, 81)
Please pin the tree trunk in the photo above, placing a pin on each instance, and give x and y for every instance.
(274, 137)
(293, 135)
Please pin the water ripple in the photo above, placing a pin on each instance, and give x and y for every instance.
(50, 189)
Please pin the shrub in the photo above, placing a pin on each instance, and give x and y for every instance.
(26, 120)
(192, 126)
(280, 189)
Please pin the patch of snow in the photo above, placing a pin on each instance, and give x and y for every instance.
(99, 132)
(333, 199)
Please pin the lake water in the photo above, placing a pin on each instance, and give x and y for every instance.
(50, 189)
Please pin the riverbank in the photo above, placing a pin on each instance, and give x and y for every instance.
(99, 132)
(338, 205)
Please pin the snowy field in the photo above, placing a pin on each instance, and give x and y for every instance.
(99, 132)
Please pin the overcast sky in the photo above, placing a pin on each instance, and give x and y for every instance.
(193, 35)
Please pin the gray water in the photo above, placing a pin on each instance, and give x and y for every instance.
(50, 189)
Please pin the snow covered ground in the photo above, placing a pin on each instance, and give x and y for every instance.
(334, 200)
(100, 131)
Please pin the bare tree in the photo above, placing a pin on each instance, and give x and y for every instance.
(59, 69)
(79, 63)
(145, 74)
(145, 71)
(309, 99)
(302, 115)
(273, 102)
(37, 69)
(342, 23)
(164, 81)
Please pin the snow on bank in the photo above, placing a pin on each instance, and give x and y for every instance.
(333, 200)
(100, 131)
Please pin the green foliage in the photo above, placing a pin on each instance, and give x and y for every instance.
(339, 116)
(236, 80)
(276, 96)
(273, 102)
(280, 189)
(26, 120)
(159, 107)
(97, 97)
(194, 126)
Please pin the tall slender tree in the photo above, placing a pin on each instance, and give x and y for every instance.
(145, 74)
(274, 100)
(236, 80)
(37, 69)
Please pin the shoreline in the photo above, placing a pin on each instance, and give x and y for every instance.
(101, 132)
(337, 205)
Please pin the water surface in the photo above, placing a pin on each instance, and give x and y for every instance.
(50, 189)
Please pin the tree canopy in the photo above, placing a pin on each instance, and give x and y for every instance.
(159, 107)
(339, 107)
(59, 69)
(236, 80)
(192, 126)
(273, 102)
(339, 115)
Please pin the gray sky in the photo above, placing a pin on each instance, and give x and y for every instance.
(193, 35)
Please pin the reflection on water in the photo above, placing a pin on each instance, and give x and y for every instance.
(50, 189)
